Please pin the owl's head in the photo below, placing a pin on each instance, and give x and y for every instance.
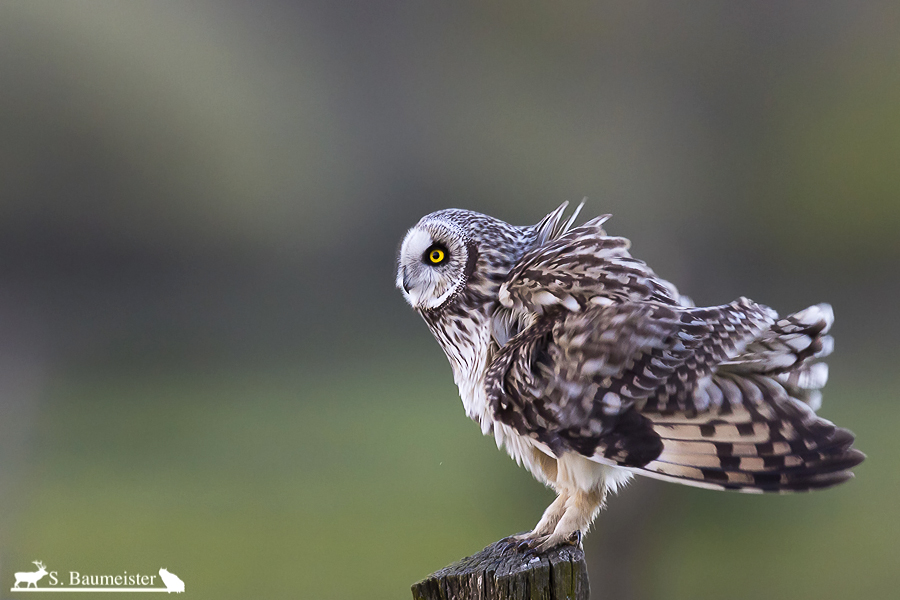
(452, 251)
(437, 257)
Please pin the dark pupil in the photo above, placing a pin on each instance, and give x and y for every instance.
(435, 255)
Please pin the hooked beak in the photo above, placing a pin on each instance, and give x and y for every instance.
(403, 280)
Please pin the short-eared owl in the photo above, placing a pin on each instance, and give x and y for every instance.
(588, 368)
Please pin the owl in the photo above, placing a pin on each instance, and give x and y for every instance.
(588, 368)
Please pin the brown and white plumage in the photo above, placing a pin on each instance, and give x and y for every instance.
(587, 367)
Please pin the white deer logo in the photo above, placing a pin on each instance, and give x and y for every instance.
(31, 577)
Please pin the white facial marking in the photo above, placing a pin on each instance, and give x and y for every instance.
(427, 286)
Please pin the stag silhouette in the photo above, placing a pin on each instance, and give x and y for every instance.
(31, 577)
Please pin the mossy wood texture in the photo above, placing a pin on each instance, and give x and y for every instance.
(497, 574)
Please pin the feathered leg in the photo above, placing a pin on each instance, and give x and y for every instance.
(580, 509)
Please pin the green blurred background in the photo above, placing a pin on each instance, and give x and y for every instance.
(204, 364)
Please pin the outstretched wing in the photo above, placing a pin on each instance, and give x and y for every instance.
(752, 425)
(580, 268)
(638, 384)
(577, 381)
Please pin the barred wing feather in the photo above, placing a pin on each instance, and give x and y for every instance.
(582, 268)
(677, 393)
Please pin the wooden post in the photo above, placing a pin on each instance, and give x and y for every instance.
(499, 574)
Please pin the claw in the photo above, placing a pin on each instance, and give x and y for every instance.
(524, 543)
(576, 538)
(512, 543)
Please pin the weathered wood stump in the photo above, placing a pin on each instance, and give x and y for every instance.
(499, 574)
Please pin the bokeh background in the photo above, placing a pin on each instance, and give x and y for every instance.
(204, 364)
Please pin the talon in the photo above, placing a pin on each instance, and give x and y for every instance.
(554, 541)
(525, 545)
(511, 542)
(575, 538)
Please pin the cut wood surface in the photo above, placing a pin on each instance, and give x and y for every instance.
(497, 573)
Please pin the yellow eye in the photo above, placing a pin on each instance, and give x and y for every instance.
(435, 255)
